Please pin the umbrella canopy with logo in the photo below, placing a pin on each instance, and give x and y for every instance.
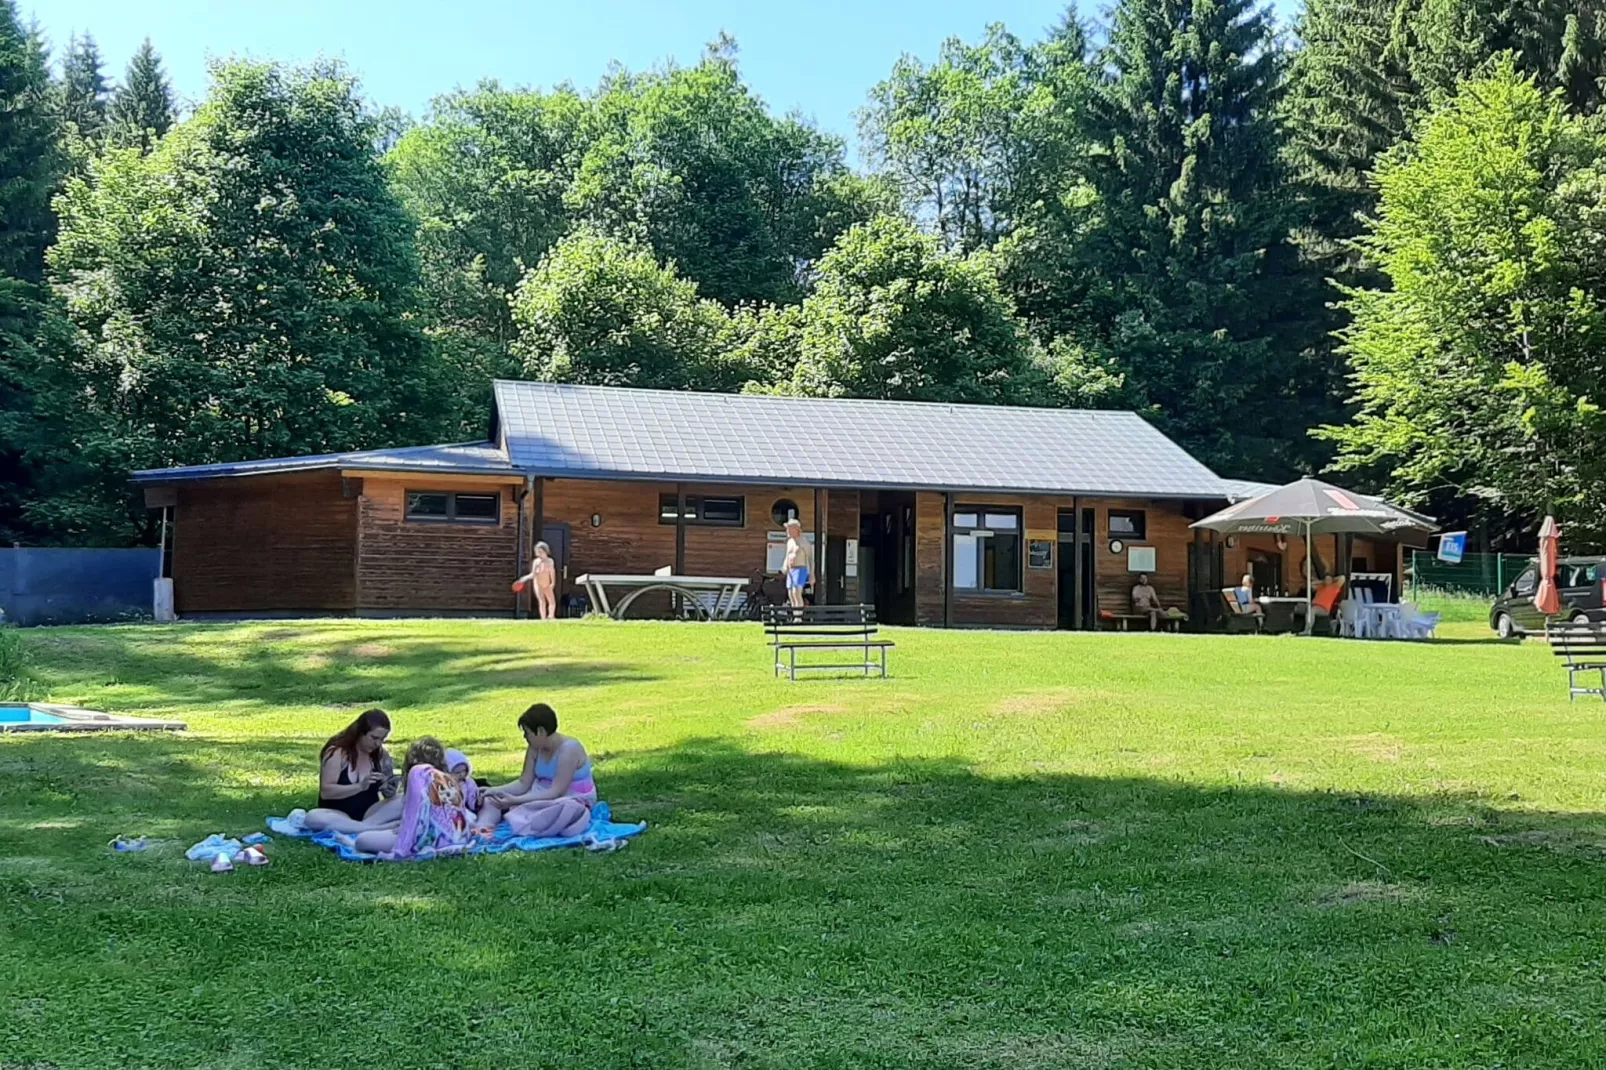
(1309, 507)
(1547, 599)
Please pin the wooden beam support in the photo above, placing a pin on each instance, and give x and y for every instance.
(1076, 564)
(948, 560)
(680, 529)
(819, 548)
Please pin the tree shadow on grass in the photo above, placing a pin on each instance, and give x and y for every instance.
(389, 668)
(788, 911)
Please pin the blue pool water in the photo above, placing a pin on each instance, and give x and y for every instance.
(26, 715)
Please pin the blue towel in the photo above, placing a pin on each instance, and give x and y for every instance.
(603, 829)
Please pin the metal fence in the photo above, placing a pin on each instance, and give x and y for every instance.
(69, 586)
(1486, 574)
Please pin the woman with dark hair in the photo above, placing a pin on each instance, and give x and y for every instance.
(356, 780)
(555, 793)
(435, 819)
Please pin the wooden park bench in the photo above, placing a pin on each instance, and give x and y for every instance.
(1583, 645)
(826, 629)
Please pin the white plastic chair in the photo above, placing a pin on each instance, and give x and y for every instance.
(1417, 624)
(1349, 619)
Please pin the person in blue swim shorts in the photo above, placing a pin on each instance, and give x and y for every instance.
(799, 562)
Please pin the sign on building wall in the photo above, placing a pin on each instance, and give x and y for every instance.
(1140, 559)
(775, 552)
(1040, 553)
(850, 560)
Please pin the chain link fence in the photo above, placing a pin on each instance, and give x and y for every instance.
(1479, 574)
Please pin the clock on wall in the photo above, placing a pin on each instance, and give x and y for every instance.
(1116, 546)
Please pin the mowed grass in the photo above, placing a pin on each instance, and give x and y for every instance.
(1025, 850)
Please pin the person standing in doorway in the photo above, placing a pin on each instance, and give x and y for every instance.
(799, 562)
(543, 577)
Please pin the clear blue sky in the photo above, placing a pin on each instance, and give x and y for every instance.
(818, 57)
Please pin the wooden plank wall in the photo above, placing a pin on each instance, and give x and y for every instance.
(1167, 532)
(630, 539)
(1038, 605)
(930, 521)
(434, 566)
(265, 544)
(842, 521)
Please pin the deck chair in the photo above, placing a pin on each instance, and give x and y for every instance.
(1238, 612)
(1324, 605)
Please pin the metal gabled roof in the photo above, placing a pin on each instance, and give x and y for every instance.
(588, 431)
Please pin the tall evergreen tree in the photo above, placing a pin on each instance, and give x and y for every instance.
(29, 163)
(142, 107)
(84, 92)
(29, 173)
(1369, 69)
(1184, 276)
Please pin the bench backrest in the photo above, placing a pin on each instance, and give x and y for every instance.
(819, 620)
(1574, 641)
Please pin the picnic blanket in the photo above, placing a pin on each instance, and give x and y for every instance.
(603, 829)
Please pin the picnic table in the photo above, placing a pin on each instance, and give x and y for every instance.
(726, 591)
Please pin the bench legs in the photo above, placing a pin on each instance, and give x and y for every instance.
(1573, 690)
(790, 665)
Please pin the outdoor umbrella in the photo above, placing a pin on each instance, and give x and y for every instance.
(1548, 599)
(1309, 507)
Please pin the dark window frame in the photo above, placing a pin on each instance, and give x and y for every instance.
(1140, 532)
(696, 510)
(451, 516)
(1018, 533)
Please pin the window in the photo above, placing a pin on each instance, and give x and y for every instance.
(1128, 524)
(1581, 575)
(1526, 584)
(716, 512)
(439, 505)
(987, 549)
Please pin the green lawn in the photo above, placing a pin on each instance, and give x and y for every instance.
(1026, 850)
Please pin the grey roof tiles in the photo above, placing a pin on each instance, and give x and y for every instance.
(552, 429)
(558, 430)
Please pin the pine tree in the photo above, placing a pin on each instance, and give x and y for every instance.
(142, 108)
(1370, 69)
(1191, 284)
(29, 167)
(29, 174)
(83, 88)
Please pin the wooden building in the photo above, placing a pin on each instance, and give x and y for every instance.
(954, 515)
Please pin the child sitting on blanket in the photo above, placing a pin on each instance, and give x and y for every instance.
(554, 794)
(436, 817)
(462, 771)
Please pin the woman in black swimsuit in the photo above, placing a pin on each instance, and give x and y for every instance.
(357, 778)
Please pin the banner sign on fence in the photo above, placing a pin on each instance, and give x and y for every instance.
(1452, 547)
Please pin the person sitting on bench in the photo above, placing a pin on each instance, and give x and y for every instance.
(1145, 599)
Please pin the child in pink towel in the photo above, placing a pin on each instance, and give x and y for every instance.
(436, 817)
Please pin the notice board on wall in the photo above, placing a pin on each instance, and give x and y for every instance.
(1040, 553)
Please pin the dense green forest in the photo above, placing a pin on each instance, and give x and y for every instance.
(1373, 241)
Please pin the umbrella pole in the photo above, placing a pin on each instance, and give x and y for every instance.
(1310, 620)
